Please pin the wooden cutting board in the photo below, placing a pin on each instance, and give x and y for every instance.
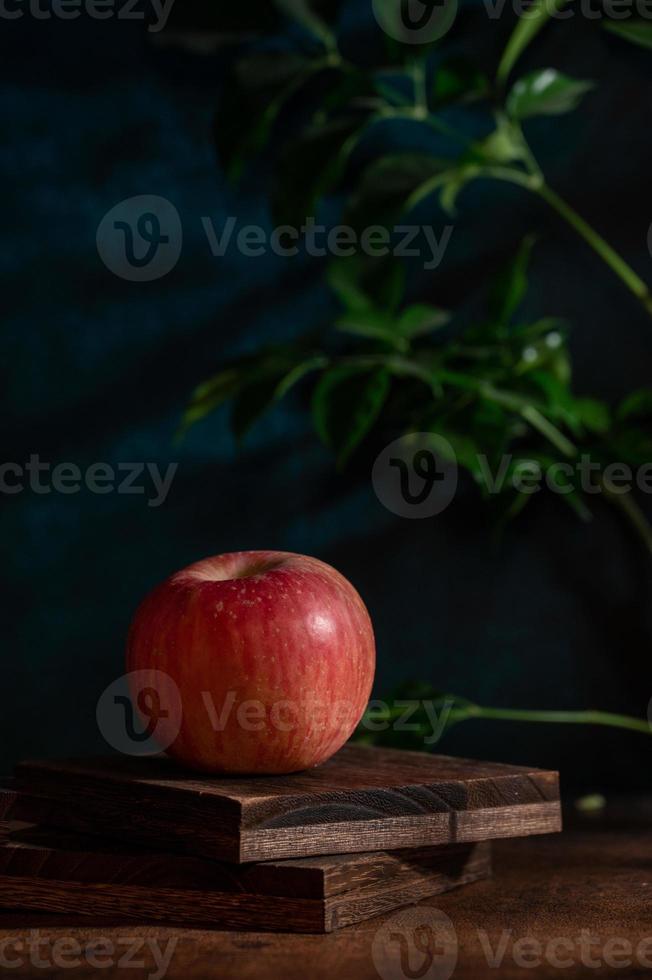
(363, 799)
(56, 871)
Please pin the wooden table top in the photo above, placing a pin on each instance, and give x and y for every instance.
(575, 904)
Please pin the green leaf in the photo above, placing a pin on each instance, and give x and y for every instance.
(546, 92)
(254, 96)
(431, 714)
(638, 404)
(210, 395)
(391, 287)
(298, 372)
(374, 324)
(511, 285)
(302, 12)
(386, 184)
(253, 383)
(553, 328)
(352, 86)
(367, 282)
(421, 319)
(448, 183)
(266, 386)
(416, 321)
(312, 165)
(467, 452)
(251, 402)
(560, 403)
(633, 446)
(414, 367)
(593, 414)
(451, 188)
(346, 403)
(504, 145)
(637, 31)
(538, 15)
(537, 419)
(343, 276)
(457, 80)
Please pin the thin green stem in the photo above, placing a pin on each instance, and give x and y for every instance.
(564, 717)
(466, 712)
(534, 182)
(529, 181)
(524, 33)
(445, 129)
(615, 262)
(539, 422)
(515, 403)
(411, 113)
(529, 158)
(631, 510)
(418, 72)
(392, 96)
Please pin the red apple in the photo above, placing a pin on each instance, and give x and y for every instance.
(273, 656)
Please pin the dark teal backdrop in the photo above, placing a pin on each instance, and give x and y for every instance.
(97, 369)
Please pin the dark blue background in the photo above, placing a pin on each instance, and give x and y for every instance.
(98, 369)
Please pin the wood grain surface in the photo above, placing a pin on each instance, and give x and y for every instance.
(590, 883)
(59, 872)
(363, 799)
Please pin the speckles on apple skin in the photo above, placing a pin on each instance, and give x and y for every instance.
(273, 638)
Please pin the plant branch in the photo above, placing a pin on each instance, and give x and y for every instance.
(538, 15)
(412, 113)
(563, 717)
(615, 262)
(631, 510)
(535, 183)
(515, 403)
(418, 71)
(539, 422)
(533, 180)
(453, 711)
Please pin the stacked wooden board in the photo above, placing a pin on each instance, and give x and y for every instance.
(370, 831)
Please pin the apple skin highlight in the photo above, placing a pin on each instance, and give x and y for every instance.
(273, 655)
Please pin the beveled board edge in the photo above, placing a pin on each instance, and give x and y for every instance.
(402, 832)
